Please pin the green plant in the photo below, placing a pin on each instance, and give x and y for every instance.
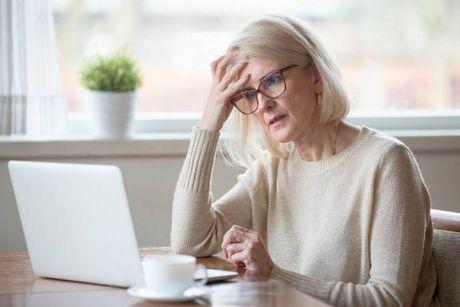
(116, 72)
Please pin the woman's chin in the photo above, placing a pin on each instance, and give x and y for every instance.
(281, 135)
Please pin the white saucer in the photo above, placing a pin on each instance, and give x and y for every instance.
(189, 295)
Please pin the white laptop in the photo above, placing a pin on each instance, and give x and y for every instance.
(77, 223)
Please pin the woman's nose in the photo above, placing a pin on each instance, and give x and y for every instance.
(265, 103)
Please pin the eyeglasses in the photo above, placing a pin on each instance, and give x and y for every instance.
(272, 86)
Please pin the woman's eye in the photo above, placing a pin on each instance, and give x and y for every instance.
(274, 79)
(248, 95)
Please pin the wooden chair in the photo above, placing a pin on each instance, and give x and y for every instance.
(446, 252)
(445, 220)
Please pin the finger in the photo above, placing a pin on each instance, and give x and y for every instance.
(214, 64)
(235, 87)
(222, 65)
(235, 248)
(232, 74)
(239, 258)
(236, 234)
(226, 241)
(233, 235)
(227, 235)
(233, 49)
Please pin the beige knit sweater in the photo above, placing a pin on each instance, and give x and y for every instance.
(353, 229)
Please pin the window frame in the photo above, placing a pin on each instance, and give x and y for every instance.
(184, 122)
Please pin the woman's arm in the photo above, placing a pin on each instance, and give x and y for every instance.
(198, 227)
(399, 253)
(198, 224)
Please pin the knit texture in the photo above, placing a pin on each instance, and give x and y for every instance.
(353, 229)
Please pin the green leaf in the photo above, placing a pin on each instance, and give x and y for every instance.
(117, 72)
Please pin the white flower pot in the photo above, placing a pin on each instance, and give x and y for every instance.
(112, 113)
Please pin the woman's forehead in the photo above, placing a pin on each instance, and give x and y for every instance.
(259, 68)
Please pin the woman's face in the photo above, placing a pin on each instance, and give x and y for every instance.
(293, 113)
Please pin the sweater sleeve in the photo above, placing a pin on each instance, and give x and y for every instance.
(198, 223)
(397, 240)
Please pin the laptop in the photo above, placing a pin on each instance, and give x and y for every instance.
(77, 223)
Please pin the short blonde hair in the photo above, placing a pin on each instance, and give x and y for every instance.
(287, 40)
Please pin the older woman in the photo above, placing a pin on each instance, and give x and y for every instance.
(340, 212)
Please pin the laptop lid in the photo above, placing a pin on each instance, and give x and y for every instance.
(76, 222)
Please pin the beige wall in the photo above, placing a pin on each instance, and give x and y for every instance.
(150, 184)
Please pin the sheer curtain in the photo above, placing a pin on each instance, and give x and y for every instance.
(31, 98)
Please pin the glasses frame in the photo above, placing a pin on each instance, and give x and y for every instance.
(256, 91)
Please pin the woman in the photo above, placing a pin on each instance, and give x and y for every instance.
(340, 212)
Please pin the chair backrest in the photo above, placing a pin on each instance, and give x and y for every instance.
(445, 220)
(446, 252)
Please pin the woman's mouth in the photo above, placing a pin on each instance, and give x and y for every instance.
(276, 120)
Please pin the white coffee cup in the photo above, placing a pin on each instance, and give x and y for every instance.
(171, 275)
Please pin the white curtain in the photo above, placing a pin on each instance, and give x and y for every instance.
(31, 97)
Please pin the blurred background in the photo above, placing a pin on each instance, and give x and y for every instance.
(396, 55)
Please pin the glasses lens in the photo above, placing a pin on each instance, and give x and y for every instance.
(273, 85)
(246, 102)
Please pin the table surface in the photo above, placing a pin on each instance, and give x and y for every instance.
(19, 286)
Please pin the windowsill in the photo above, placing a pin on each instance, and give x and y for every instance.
(176, 144)
(85, 146)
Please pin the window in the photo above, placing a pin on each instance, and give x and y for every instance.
(395, 55)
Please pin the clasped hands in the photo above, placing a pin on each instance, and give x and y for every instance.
(245, 248)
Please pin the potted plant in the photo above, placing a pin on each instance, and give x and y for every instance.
(111, 81)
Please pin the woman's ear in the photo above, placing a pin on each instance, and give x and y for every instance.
(318, 85)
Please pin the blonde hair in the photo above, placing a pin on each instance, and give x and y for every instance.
(289, 41)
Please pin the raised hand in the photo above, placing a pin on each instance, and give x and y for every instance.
(226, 82)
